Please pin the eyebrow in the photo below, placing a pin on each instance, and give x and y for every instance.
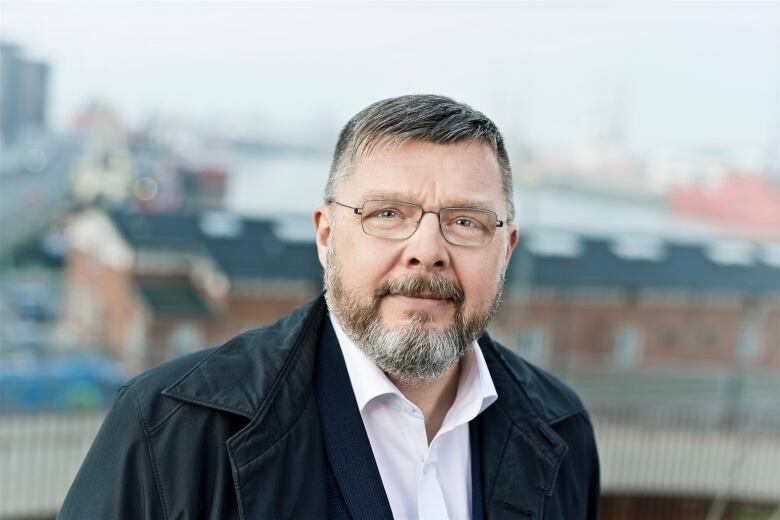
(415, 199)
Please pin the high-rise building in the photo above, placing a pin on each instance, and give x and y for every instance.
(24, 86)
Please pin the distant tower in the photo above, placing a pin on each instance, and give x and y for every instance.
(23, 94)
(612, 124)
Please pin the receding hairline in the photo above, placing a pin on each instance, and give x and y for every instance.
(384, 146)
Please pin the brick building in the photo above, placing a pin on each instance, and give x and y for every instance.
(641, 302)
(150, 287)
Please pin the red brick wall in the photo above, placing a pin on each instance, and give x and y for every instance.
(687, 329)
(106, 298)
(771, 336)
(695, 331)
(239, 315)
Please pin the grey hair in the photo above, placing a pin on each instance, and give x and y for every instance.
(427, 118)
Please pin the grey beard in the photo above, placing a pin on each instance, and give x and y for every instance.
(412, 353)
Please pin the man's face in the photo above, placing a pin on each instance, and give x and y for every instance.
(421, 299)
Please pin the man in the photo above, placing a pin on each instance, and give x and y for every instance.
(383, 398)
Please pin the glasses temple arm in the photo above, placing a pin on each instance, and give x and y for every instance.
(356, 211)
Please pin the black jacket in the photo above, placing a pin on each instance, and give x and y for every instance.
(234, 432)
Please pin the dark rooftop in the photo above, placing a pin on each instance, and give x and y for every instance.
(681, 266)
(171, 298)
(241, 247)
(250, 248)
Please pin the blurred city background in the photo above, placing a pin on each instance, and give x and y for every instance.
(159, 163)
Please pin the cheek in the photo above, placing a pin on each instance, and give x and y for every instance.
(479, 278)
(363, 265)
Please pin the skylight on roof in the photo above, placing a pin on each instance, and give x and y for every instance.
(770, 254)
(638, 247)
(295, 228)
(221, 224)
(731, 252)
(555, 243)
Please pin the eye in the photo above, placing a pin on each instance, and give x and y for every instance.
(464, 222)
(386, 213)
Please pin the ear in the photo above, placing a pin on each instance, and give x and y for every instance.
(322, 230)
(514, 236)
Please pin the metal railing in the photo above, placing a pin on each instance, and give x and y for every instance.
(657, 453)
(40, 455)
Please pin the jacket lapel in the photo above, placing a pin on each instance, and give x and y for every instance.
(521, 454)
(346, 443)
(265, 375)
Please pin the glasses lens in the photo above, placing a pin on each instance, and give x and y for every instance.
(390, 219)
(468, 227)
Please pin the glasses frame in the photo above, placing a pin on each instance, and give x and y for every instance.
(359, 211)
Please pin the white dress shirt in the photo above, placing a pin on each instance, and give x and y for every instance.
(420, 480)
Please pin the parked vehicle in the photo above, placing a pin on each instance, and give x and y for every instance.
(82, 382)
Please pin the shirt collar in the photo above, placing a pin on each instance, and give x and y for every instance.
(476, 390)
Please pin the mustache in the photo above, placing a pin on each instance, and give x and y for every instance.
(431, 286)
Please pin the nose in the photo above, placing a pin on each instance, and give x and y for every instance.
(426, 249)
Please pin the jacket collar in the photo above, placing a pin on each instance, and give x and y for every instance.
(266, 375)
(243, 376)
(252, 372)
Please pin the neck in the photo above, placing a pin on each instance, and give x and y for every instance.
(434, 398)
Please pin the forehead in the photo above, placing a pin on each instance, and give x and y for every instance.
(420, 171)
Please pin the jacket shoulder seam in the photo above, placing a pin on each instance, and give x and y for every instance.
(152, 460)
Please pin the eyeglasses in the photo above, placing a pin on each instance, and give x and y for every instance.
(395, 220)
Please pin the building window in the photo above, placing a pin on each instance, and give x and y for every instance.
(749, 342)
(627, 346)
(708, 337)
(670, 337)
(533, 344)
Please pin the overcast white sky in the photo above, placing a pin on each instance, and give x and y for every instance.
(673, 75)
